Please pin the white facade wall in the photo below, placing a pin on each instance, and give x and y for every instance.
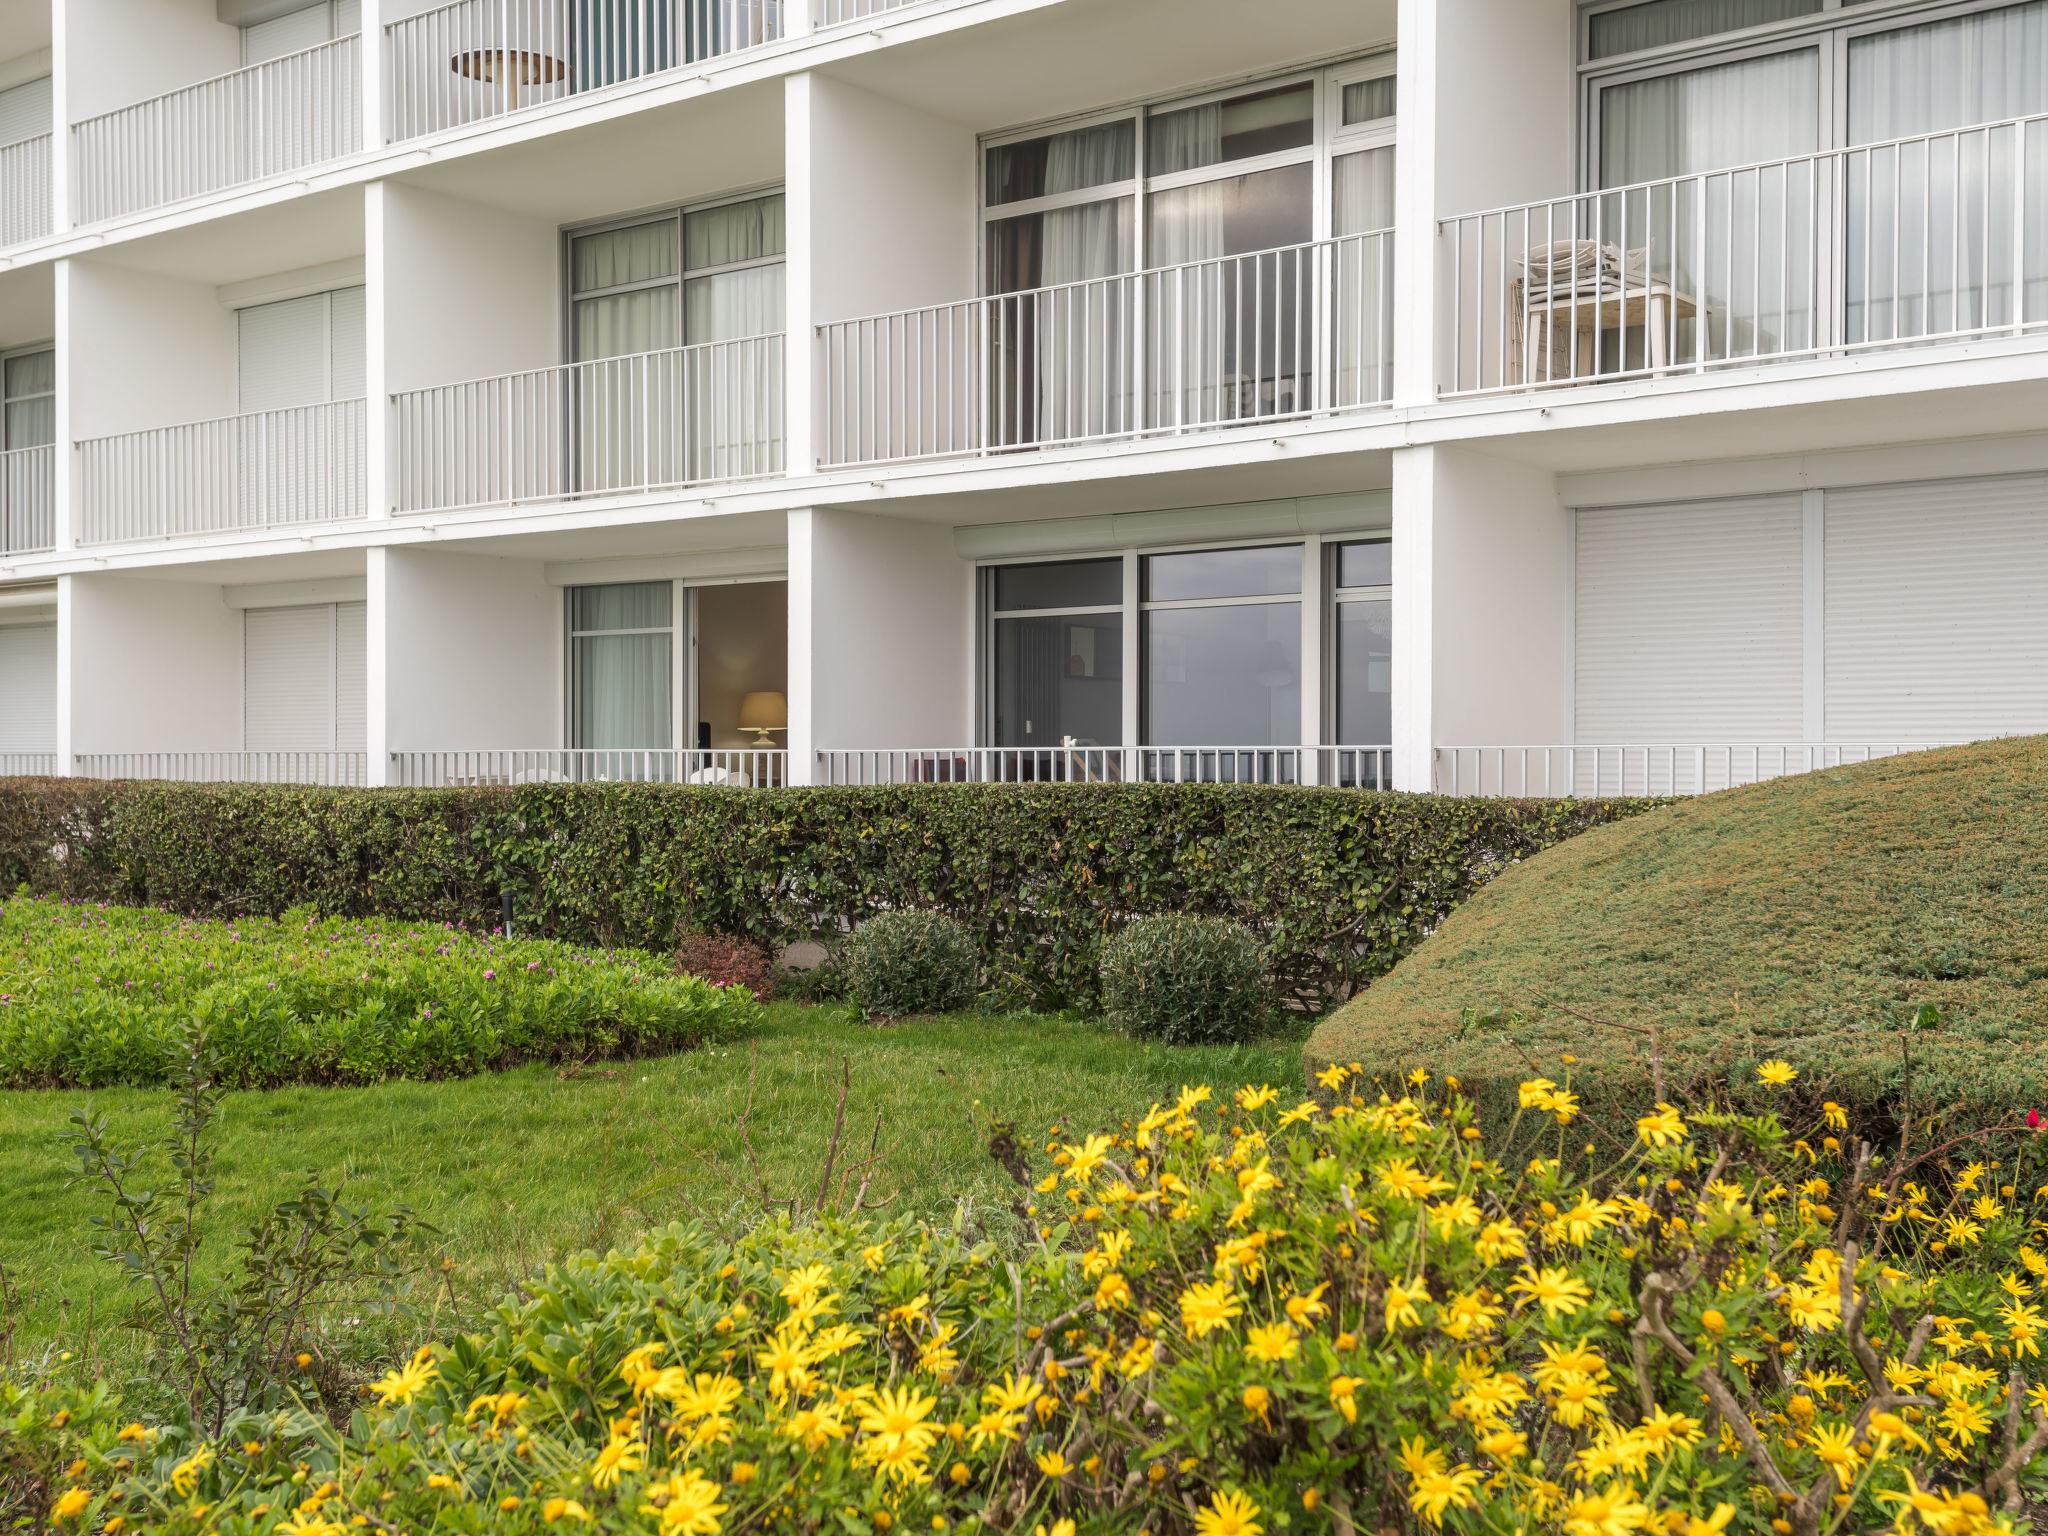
(147, 350)
(123, 51)
(151, 665)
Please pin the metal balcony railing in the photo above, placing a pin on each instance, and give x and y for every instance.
(1934, 237)
(286, 114)
(27, 764)
(648, 421)
(1658, 769)
(28, 500)
(747, 767)
(348, 769)
(26, 210)
(270, 469)
(474, 60)
(1349, 767)
(1271, 336)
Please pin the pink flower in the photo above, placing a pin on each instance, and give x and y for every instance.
(2033, 1119)
(490, 975)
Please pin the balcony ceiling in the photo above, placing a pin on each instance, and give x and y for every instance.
(651, 539)
(1079, 55)
(24, 27)
(723, 141)
(28, 305)
(299, 232)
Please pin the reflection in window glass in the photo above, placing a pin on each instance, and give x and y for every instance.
(1231, 215)
(1059, 678)
(1237, 128)
(1060, 584)
(1367, 563)
(1271, 570)
(1062, 162)
(1365, 673)
(1223, 676)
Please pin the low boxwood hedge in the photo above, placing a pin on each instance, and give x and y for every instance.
(97, 996)
(1336, 884)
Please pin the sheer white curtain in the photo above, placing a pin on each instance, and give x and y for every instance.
(1655, 23)
(1757, 290)
(1946, 205)
(1361, 201)
(621, 682)
(731, 394)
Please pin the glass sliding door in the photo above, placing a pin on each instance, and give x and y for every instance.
(1362, 270)
(1056, 663)
(1362, 643)
(622, 685)
(28, 419)
(1221, 638)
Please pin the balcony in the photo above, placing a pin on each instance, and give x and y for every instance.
(1234, 341)
(271, 119)
(25, 205)
(735, 768)
(269, 469)
(1938, 237)
(647, 421)
(1697, 768)
(28, 500)
(336, 768)
(475, 60)
(1074, 763)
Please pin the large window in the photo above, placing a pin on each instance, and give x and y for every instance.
(677, 278)
(1219, 660)
(622, 645)
(28, 399)
(1217, 198)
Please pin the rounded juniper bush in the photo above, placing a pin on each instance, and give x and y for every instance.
(909, 962)
(1186, 981)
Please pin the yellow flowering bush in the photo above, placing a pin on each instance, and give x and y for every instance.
(1237, 1314)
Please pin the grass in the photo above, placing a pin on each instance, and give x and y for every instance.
(1812, 918)
(522, 1167)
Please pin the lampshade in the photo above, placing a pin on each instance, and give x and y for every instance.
(764, 712)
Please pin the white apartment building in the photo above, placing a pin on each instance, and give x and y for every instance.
(1561, 395)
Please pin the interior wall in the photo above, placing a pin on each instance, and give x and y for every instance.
(880, 651)
(155, 666)
(146, 350)
(124, 51)
(472, 653)
(742, 648)
(493, 304)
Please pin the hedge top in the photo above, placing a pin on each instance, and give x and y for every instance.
(1811, 918)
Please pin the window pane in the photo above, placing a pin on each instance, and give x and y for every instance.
(1369, 563)
(1060, 584)
(1362, 187)
(747, 302)
(33, 373)
(1232, 215)
(622, 692)
(618, 256)
(1658, 22)
(627, 605)
(1270, 571)
(717, 237)
(1708, 119)
(1059, 678)
(1365, 673)
(29, 423)
(643, 320)
(1063, 162)
(1948, 74)
(1367, 101)
(1061, 245)
(1223, 676)
(1234, 129)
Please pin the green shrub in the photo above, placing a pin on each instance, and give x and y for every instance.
(102, 995)
(1186, 981)
(1338, 883)
(903, 963)
(1243, 1315)
(1883, 928)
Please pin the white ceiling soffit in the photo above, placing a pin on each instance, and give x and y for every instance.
(1354, 512)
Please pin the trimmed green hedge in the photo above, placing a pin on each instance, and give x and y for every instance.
(1337, 884)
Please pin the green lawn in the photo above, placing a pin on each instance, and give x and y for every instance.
(520, 1168)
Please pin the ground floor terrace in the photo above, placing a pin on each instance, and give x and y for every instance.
(1528, 614)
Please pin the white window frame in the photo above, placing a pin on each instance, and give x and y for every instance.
(1338, 596)
(1328, 140)
(8, 356)
(682, 671)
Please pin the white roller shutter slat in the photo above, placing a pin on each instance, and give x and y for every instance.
(282, 350)
(25, 111)
(351, 677)
(28, 688)
(288, 33)
(1687, 623)
(288, 679)
(1937, 611)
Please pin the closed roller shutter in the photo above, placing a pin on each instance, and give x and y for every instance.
(282, 350)
(25, 111)
(1937, 611)
(28, 688)
(1687, 622)
(288, 33)
(288, 672)
(351, 677)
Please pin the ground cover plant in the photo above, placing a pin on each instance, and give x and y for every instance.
(1882, 927)
(1336, 884)
(1238, 1314)
(95, 996)
(515, 1169)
